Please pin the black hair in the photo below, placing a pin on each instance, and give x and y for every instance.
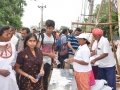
(87, 42)
(43, 30)
(4, 28)
(78, 29)
(12, 28)
(28, 37)
(50, 23)
(27, 29)
(70, 31)
(34, 29)
(64, 30)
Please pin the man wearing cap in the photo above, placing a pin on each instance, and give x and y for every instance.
(105, 59)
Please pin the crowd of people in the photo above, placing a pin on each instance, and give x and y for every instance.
(26, 57)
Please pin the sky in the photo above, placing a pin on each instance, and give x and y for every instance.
(63, 12)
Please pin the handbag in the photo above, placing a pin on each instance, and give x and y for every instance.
(63, 49)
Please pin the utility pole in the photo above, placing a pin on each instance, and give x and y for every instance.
(91, 4)
(41, 7)
(90, 18)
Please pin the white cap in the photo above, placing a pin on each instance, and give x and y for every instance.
(83, 35)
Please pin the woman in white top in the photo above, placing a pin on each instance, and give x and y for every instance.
(81, 63)
(7, 61)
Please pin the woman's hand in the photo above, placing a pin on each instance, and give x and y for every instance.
(4, 73)
(70, 60)
(32, 79)
(52, 55)
(42, 73)
(73, 51)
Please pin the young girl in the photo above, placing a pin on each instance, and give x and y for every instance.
(81, 63)
(30, 65)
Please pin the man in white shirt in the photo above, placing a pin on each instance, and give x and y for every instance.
(105, 58)
(14, 38)
(46, 45)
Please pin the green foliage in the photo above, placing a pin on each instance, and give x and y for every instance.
(104, 18)
(11, 12)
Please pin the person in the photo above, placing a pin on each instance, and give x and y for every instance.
(81, 63)
(73, 42)
(78, 31)
(105, 59)
(34, 30)
(7, 60)
(20, 45)
(43, 30)
(30, 65)
(62, 47)
(118, 50)
(24, 32)
(46, 43)
(14, 38)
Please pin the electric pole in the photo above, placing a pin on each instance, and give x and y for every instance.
(41, 7)
(90, 18)
(91, 4)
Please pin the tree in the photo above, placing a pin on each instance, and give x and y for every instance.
(11, 12)
(104, 18)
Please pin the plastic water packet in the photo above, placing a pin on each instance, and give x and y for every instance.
(38, 77)
(66, 60)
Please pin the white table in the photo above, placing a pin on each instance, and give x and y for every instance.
(62, 79)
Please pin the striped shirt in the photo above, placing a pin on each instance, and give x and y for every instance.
(74, 43)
